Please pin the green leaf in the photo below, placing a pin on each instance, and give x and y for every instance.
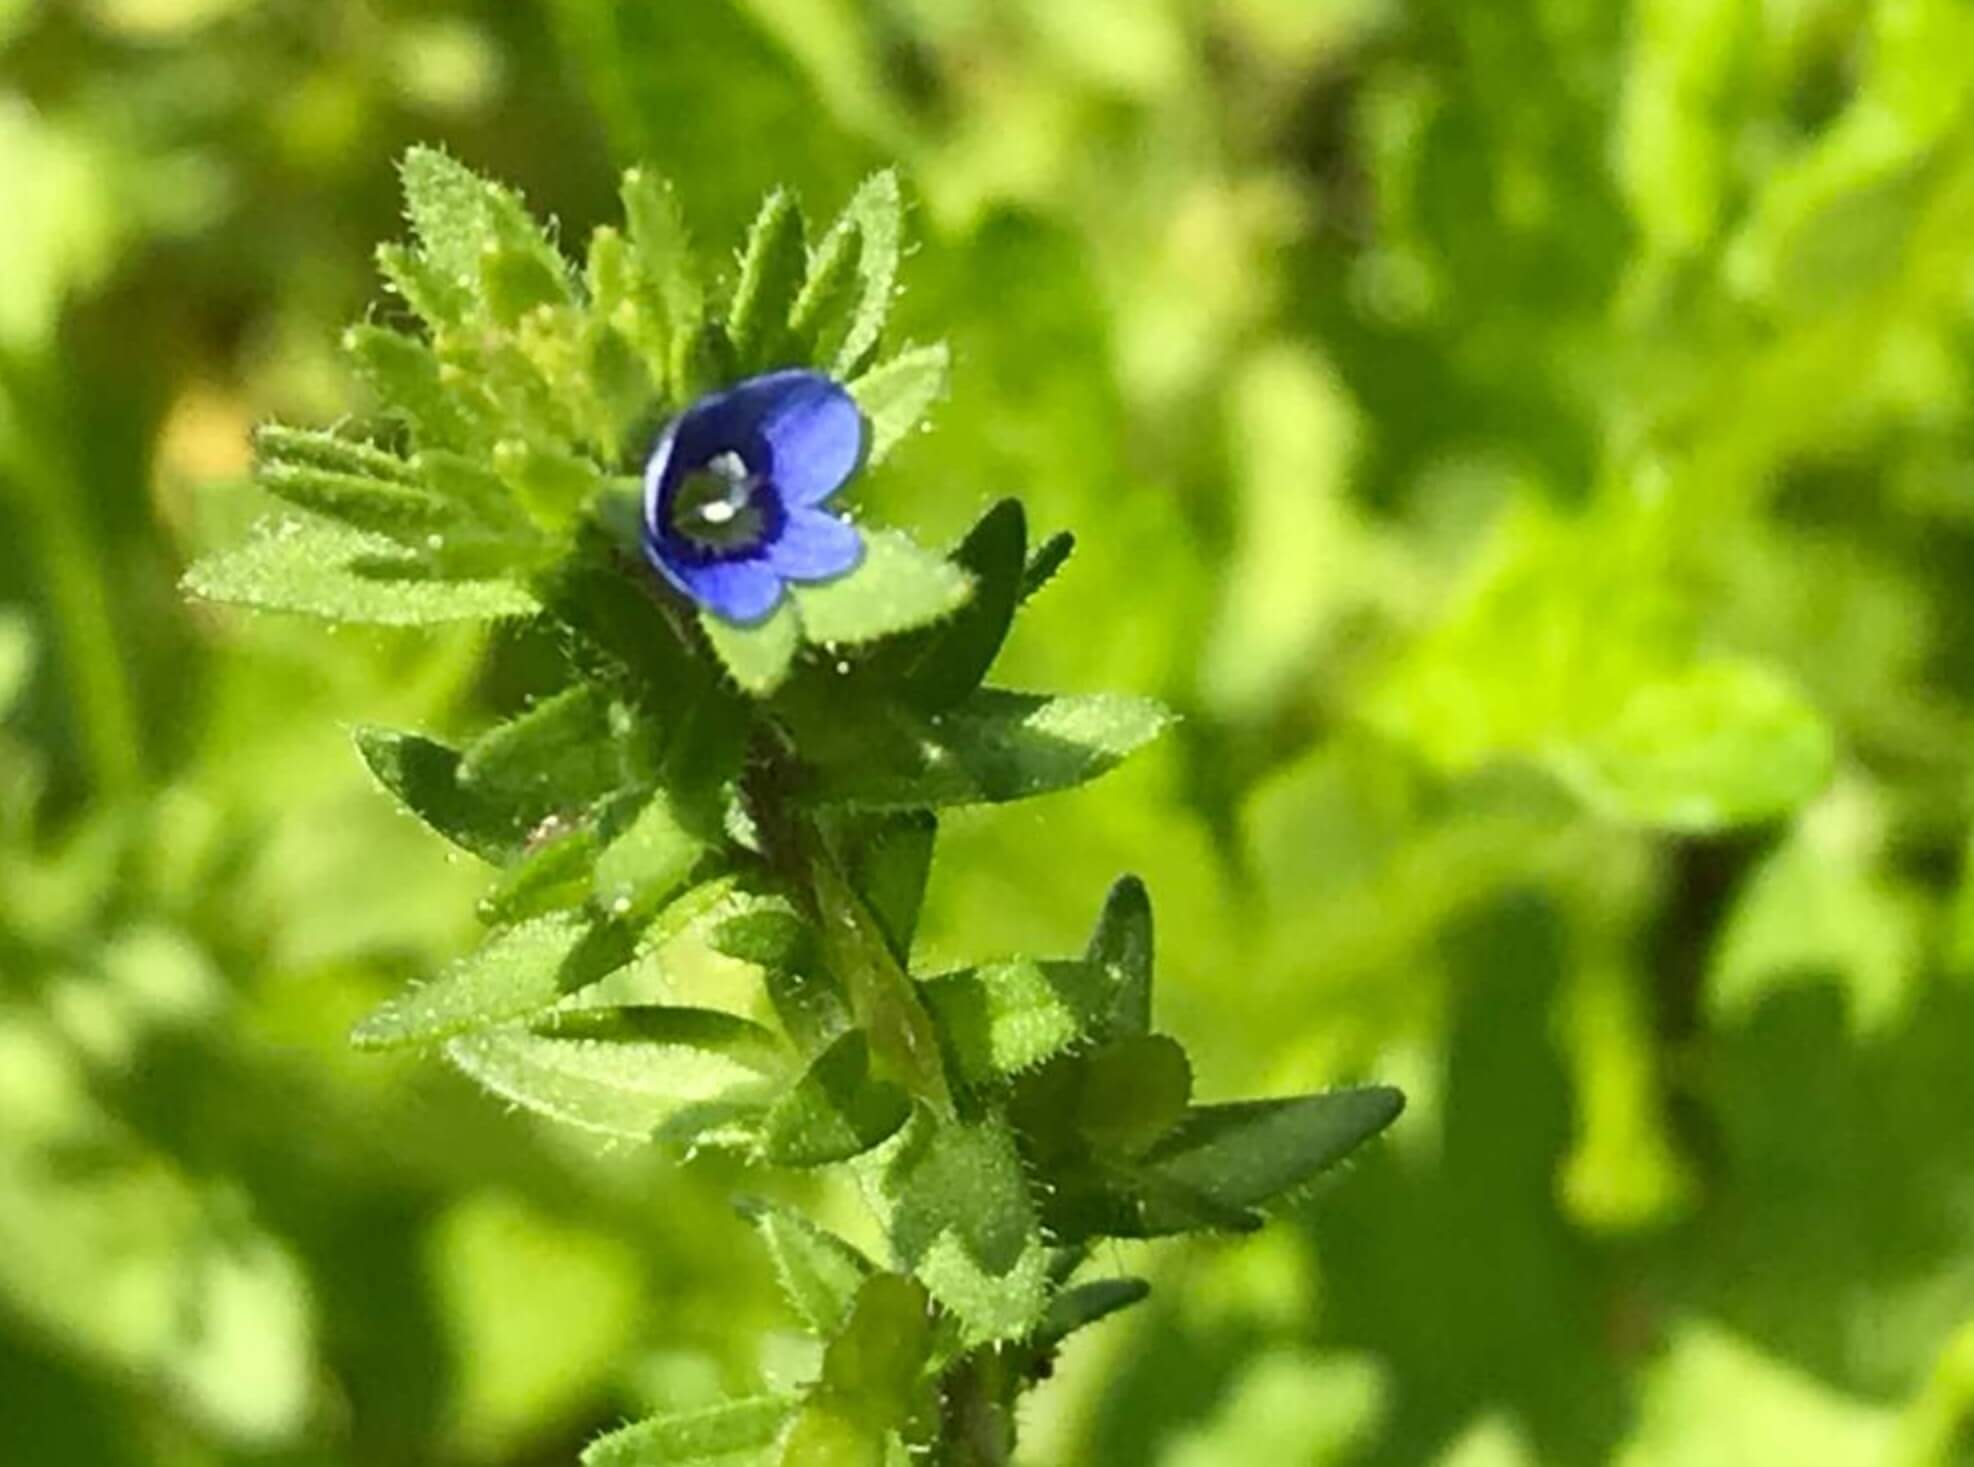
(1085, 1304)
(758, 656)
(553, 872)
(1122, 946)
(819, 1272)
(999, 1019)
(553, 486)
(1724, 744)
(896, 587)
(443, 301)
(1244, 1154)
(518, 973)
(820, 317)
(316, 568)
(424, 776)
(386, 506)
(835, 1111)
(712, 1437)
(957, 654)
(995, 747)
(459, 216)
(896, 395)
(664, 250)
(560, 755)
(634, 1071)
(771, 269)
(649, 859)
(962, 1217)
(888, 859)
(515, 281)
(1134, 1091)
(277, 443)
(441, 408)
(871, 1369)
(876, 212)
(1045, 562)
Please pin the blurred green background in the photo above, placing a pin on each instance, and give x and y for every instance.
(1533, 443)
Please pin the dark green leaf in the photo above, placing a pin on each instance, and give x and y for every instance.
(1122, 945)
(424, 775)
(1045, 562)
(771, 269)
(1244, 1154)
(1000, 1019)
(1085, 1304)
(1134, 1090)
(835, 1111)
(958, 653)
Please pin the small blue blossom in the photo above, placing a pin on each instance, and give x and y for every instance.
(734, 492)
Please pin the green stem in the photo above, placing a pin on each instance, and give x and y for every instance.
(976, 1411)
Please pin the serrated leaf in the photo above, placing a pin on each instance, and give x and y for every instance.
(759, 655)
(561, 754)
(819, 1272)
(958, 653)
(442, 410)
(649, 858)
(278, 443)
(441, 299)
(318, 568)
(961, 1215)
(896, 395)
(712, 1437)
(896, 587)
(518, 973)
(876, 212)
(1085, 1304)
(1244, 1154)
(458, 216)
(1122, 945)
(663, 249)
(999, 1019)
(385, 506)
(424, 776)
(837, 1110)
(623, 1083)
(771, 269)
(994, 747)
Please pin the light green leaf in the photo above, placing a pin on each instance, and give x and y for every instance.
(442, 300)
(897, 586)
(819, 1272)
(458, 216)
(277, 443)
(663, 249)
(834, 1112)
(1722, 744)
(442, 409)
(771, 269)
(995, 747)
(562, 754)
(554, 486)
(517, 974)
(877, 211)
(896, 395)
(759, 655)
(390, 508)
(316, 568)
(999, 1019)
(714, 1437)
(649, 858)
(629, 1074)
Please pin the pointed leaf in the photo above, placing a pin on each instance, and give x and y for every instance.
(663, 249)
(897, 395)
(888, 859)
(1045, 562)
(562, 754)
(518, 973)
(819, 1272)
(624, 1083)
(896, 587)
(386, 506)
(442, 410)
(712, 1437)
(994, 747)
(835, 1111)
(771, 269)
(424, 775)
(1085, 1304)
(1244, 1154)
(442, 300)
(276, 443)
(1122, 944)
(959, 652)
(876, 211)
(1134, 1091)
(649, 859)
(999, 1019)
(760, 655)
(317, 568)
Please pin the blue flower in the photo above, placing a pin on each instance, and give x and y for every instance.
(734, 492)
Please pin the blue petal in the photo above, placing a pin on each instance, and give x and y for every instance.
(813, 432)
(739, 590)
(813, 546)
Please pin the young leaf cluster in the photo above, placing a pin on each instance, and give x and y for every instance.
(763, 800)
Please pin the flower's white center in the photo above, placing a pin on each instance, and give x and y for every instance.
(715, 505)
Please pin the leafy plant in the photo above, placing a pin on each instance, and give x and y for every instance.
(709, 838)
